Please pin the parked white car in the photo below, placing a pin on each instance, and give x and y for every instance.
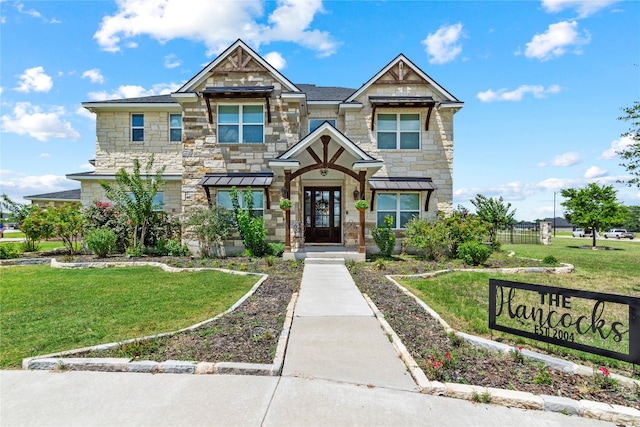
(619, 233)
(581, 232)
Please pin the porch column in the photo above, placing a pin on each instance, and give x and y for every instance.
(287, 213)
(287, 239)
(361, 249)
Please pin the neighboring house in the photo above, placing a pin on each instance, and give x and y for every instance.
(560, 224)
(240, 122)
(56, 199)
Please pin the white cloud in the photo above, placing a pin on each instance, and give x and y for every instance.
(94, 75)
(34, 13)
(81, 111)
(442, 46)
(276, 60)
(617, 145)
(134, 91)
(516, 95)
(17, 185)
(34, 79)
(30, 120)
(215, 23)
(583, 7)
(595, 172)
(171, 61)
(566, 159)
(559, 38)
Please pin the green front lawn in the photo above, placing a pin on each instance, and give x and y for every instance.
(47, 310)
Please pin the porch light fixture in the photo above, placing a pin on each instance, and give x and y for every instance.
(283, 192)
(356, 194)
(324, 171)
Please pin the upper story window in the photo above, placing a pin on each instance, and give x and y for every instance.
(137, 127)
(315, 123)
(402, 207)
(175, 127)
(398, 131)
(224, 199)
(241, 124)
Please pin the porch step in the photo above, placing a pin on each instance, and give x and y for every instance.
(324, 261)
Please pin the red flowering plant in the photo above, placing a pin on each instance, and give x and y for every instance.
(603, 380)
(439, 367)
(517, 355)
(103, 215)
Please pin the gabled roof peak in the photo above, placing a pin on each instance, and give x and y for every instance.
(237, 48)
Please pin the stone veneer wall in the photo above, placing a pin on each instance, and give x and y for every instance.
(434, 159)
(114, 148)
(202, 154)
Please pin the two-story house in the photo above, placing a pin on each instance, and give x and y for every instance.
(240, 122)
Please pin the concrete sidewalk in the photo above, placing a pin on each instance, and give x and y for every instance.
(335, 336)
(340, 369)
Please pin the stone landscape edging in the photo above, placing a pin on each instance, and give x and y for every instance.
(57, 361)
(586, 408)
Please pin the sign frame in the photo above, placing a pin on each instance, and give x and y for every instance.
(633, 303)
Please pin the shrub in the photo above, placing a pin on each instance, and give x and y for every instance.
(275, 249)
(36, 227)
(473, 253)
(550, 260)
(384, 237)
(251, 228)
(10, 250)
(171, 248)
(431, 240)
(102, 215)
(212, 226)
(101, 241)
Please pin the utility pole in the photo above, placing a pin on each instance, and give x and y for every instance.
(554, 213)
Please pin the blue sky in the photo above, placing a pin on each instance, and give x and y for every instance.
(543, 81)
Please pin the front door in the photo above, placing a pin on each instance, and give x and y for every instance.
(322, 208)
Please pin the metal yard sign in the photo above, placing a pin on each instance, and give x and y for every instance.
(604, 324)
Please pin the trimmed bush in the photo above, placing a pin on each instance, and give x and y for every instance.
(473, 253)
(384, 237)
(101, 241)
(10, 250)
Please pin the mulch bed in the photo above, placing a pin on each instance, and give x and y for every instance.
(250, 334)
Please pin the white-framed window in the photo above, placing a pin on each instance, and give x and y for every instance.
(398, 131)
(175, 127)
(137, 127)
(224, 199)
(402, 207)
(242, 124)
(315, 123)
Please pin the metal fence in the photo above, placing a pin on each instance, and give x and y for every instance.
(520, 234)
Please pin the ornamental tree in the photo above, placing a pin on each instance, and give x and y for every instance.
(594, 207)
(134, 194)
(494, 212)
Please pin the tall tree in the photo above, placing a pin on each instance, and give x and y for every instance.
(134, 194)
(593, 207)
(494, 212)
(631, 154)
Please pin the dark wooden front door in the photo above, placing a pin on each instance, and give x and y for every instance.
(322, 209)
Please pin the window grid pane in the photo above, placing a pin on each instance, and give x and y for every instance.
(175, 127)
(398, 131)
(241, 124)
(137, 127)
(402, 207)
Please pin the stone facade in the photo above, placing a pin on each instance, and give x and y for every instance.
(239, 76)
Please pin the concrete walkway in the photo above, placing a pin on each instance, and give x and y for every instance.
(340, 369)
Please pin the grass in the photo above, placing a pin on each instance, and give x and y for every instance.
(462, 299)
(47, 310)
